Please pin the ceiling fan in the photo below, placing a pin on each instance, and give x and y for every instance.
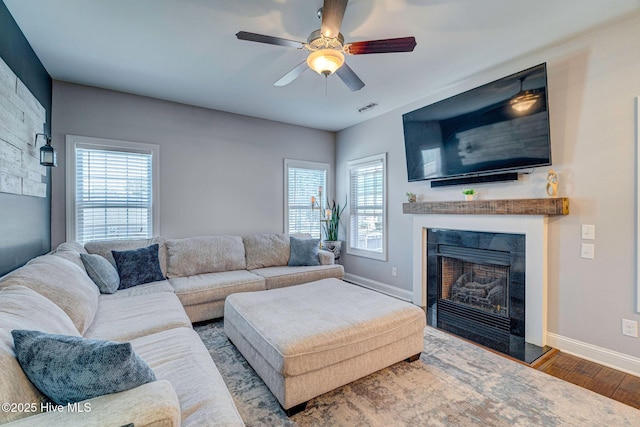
(326, 47)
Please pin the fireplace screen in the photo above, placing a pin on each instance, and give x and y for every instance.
(482, 286)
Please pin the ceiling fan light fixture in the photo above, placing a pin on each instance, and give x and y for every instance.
(325, 61)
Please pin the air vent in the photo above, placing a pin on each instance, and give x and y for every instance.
(367, 107)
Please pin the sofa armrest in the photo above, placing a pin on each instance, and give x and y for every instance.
(326, 257)
(154, 404)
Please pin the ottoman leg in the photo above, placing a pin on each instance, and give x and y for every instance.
(413, 358)
(295, 409)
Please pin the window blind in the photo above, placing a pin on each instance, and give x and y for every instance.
(366, 214)
(303, 183)
(113, 194)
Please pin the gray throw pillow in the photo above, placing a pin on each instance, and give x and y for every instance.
(101, 272)
(70, 369)
(304, 252)
(138, 266)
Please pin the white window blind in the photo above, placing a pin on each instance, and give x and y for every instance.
(303, 181)
(112, 190)
(367, 213)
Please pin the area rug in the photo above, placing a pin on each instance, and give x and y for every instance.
(454, 383)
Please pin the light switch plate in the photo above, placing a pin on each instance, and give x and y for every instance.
(588, 231)
(587, 250)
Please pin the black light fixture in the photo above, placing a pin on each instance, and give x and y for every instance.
(48, 154)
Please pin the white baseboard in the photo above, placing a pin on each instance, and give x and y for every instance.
(402, 294)
(603, 356)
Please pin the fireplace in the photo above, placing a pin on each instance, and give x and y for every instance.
(476, 288)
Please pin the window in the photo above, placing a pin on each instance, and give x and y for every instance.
(111, 189)
(368, 212)
(302, 180)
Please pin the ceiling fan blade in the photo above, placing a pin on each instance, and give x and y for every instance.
(293, 74)
(402, 44)
(350, 78)
(332, 14)
(260, 38)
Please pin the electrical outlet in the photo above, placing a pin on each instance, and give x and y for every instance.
(630, 328)
(587, 250)
(394, 271)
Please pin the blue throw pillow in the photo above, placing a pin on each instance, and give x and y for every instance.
(138, 266)
(70, 369)
(103, 274)
(304, 252)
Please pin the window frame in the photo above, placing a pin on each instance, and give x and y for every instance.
(355, 164)
(73, 141)
(304, 164)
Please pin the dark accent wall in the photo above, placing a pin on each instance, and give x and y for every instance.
(25, 221)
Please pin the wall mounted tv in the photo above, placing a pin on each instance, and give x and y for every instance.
(500, 126)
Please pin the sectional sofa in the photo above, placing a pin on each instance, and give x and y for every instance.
(54, 294)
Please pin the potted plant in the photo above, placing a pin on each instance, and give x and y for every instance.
(331, 227)
(411, 197)
(469, 193)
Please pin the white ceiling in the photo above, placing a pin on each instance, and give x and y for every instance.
(186, 50)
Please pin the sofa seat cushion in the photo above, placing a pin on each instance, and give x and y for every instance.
(146, 289)
(266, 250)
(104, 248)
(24, 308)
(62, 282)
(179, 356)
(304, 328)
(210, 287)
(204, 254)
(279, 277)
(123, 319)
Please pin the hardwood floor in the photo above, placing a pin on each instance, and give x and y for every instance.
(608, 382)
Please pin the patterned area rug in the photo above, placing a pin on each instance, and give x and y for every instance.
(453, 384)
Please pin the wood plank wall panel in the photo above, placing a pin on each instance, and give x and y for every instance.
(21, 117)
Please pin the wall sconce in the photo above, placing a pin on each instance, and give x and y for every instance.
(48, 154)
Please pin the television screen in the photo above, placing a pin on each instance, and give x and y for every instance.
(503, 125)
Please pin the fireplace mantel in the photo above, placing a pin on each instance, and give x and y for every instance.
(550, 206)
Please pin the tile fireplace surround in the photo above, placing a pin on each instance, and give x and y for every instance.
(521, 216)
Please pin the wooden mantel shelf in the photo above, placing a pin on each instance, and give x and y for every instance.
(550, 206)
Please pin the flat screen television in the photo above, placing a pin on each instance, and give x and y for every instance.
(500, 126)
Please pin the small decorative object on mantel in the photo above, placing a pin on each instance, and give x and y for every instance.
(552, 183)
(469, 193)
(411, 197)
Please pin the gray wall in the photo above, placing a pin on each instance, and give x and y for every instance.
(219, 172)
(593, 81)
(24, 220)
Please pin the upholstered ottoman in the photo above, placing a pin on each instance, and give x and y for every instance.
(308, 339)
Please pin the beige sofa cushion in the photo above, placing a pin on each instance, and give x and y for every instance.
(204, 254)
(24, 308)
(210, 287)
(71, 251)
(62, 282)
(179, 356)
(144, 289)
(266, 250)
(105, 247)
(279, 277)
(123, 319)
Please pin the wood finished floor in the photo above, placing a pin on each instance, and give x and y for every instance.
(608, 382)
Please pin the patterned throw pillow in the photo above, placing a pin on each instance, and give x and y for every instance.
(101, 272)
(304, 252)
(70, 369)
(138, 266)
